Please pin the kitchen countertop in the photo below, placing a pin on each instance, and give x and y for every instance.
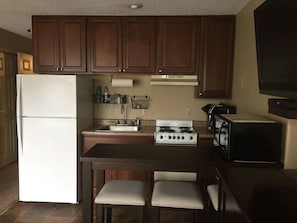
(147, 129)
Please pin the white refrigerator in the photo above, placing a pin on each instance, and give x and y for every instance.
(51, 111)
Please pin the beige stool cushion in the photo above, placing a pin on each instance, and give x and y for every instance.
(177, 194)
(177, 176)
(213, 193)
(122, 192)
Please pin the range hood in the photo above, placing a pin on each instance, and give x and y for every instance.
(174, 80)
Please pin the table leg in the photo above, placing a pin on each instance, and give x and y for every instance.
(87, 187)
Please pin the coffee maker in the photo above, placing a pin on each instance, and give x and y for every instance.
(212, 109)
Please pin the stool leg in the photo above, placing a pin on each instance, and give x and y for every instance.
(209, 210)
(158, 214)
(140, 212)
(99, 213)
(108, 214)
(195, 216)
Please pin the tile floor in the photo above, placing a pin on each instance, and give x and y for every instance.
(42, 213)
(68, 213)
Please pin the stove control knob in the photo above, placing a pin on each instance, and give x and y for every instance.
(169, 137)
(174, 137)
(178, 137)
(191, 137)
(183, 137)
(161, 137)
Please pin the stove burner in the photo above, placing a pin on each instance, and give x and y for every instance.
(186, 130)
(166, 129)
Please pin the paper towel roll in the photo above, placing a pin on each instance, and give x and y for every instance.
(122, 82)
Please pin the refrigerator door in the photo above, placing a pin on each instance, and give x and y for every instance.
(46, 96)
(48, 160)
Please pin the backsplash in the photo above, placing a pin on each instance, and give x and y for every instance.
(166, 102)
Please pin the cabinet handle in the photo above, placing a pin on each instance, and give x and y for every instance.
(124, 70)
(160, 70)
(200, 94)
(120, 70)
(57, 69)
(61, 69)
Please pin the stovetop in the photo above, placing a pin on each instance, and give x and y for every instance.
(175, 132)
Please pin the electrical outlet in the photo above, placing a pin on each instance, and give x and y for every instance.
(188, 111)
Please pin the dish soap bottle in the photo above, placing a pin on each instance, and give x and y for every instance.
(106, 95)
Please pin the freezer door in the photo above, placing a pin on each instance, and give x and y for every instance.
(46, 95)
(48, 160)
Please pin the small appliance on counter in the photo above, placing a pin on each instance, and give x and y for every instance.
(248, 138)
(212, 109)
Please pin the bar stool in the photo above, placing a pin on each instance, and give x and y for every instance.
(177, 193)
(120, 193)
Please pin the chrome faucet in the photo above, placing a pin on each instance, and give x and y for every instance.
(124, 112)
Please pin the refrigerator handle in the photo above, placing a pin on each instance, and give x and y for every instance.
(18, 113)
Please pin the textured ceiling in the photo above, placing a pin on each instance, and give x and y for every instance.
(15, 15)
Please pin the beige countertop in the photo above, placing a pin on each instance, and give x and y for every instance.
(147, 129)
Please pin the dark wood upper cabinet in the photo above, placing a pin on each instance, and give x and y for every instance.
(177, 38)
(139, 44)
(215, 57)
(105, 44)
(121, 44)
(198, 45)
(59, 43)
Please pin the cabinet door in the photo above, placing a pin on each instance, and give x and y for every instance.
(177, 45)
(139, 44)
(216, 50)
(59, 44)
(105, 44)
(73, 44)
(45, 32)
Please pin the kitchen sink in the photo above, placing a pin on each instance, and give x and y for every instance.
(119, 128)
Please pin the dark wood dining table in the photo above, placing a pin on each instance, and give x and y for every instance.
(258, 195)
(148, 157)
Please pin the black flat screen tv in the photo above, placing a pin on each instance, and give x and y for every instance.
(276, 43)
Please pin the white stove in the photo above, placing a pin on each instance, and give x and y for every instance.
(177, 132)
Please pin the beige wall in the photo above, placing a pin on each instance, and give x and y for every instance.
(10, 42)
(168, 102)
(245, 81)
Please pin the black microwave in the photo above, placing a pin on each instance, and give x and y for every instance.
(248, 138)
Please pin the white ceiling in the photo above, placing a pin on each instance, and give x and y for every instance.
(15, 15)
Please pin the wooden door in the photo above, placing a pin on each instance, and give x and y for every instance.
(2, 111)
(216, 51)
(73, 44)
(8, 140)
(139, 44)
(177, 45)
(105, 44)
(45, 34)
